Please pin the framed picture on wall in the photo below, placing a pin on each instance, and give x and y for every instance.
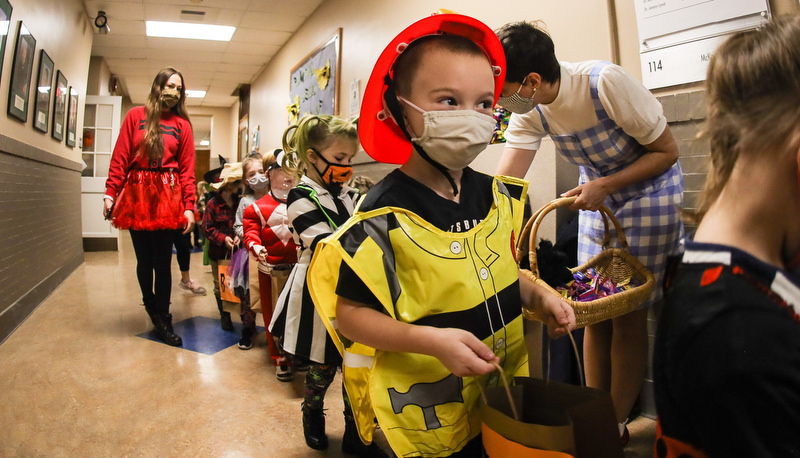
(59, 106)
(19, 89)
(44, 83)
(314, 82)
(5, 23)
(72, 116)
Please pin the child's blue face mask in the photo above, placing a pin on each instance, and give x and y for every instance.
(453, 138)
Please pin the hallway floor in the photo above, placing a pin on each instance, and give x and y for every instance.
(82, 377)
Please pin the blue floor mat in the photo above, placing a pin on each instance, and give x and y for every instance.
(203, 334)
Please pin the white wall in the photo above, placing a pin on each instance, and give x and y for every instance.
(223, 131)
(368, 26)
(62, 29)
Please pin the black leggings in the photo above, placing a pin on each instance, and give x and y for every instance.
(153, 258)
(183, 248)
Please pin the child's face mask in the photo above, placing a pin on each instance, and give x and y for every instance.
(258, 182)
(334, 175)
(280, 183)
(170, 97)
(454, 138)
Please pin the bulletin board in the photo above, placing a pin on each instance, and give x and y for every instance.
(314, 82)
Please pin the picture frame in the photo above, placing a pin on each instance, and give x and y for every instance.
(59, 106)
(314, 81)
(72, 117)
(5, 26)
(21, 72)
(44, 84)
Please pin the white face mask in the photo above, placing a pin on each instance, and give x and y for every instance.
(454, 138)
(258, 182)
(516, 103)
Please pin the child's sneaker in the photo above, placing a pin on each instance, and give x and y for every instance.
(246, 342)
(193, 286)
(284, 373)
(300, 366)
(283, 369)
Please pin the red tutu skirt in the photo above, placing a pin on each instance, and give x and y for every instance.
(150, 200)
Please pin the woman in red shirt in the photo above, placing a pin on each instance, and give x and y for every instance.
(150, 190)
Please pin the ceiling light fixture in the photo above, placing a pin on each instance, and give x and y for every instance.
(189, 31)
(195, 94)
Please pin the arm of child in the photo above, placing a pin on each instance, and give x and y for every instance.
(251, 228)
(459, 350)
(212, 234)
(558, 315)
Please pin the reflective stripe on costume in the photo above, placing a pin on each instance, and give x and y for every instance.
(426, 276)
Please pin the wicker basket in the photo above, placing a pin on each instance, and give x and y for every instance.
(615, 263)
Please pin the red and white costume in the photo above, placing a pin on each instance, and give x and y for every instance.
(266, 227)
(152, 195)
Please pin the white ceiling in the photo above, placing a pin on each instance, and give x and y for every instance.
(262, 28)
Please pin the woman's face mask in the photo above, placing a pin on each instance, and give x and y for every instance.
(516, 103)
(454, 138)
(170, 97)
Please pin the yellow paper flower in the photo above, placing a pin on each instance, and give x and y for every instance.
(323, 75)
(294, 110)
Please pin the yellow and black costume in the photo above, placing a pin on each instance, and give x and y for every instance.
(426, 275)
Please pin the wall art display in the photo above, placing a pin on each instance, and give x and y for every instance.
(19, 89)
(44, 83)
(72, 116)
(314, 82)
(59, 106)
(5, 23)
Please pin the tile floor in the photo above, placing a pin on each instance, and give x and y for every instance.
(81, 377)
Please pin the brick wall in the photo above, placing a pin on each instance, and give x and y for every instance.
(685, 113)
(40, 228)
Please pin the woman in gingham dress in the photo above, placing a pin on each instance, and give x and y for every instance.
(603, 120)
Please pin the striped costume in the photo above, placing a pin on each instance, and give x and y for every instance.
(313, 215)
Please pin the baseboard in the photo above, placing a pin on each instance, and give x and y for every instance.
(100, 244)
(16, 314)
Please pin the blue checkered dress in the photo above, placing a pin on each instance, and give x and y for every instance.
(648, 211)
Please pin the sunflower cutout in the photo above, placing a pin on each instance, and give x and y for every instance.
(323, 75)
(294, 110)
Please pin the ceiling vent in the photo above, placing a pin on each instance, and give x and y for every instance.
(194, 16)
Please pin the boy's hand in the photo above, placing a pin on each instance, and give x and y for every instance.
(558, 315)
(461, 352)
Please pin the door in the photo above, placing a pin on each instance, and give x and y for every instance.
(101, 123)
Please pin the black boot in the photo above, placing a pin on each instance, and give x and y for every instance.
(314, 428)
(224, 317)
(352, 445)
(164, 331)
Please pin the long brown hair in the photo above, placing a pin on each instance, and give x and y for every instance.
(753, 96)
(153, 143)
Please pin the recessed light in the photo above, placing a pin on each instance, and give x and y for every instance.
(195, 94)
(204, 143)
(189, 31)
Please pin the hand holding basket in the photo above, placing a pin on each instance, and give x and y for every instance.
(615, 264)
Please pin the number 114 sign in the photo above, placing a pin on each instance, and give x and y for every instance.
(681, 64)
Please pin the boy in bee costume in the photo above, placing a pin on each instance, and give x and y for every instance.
(420, 288)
